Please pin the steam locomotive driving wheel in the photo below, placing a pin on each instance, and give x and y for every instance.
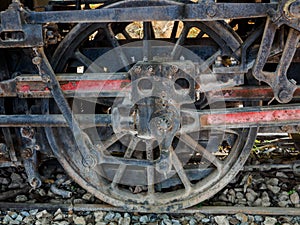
(152, 154)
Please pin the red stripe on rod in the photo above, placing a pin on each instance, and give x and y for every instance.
(251, 117)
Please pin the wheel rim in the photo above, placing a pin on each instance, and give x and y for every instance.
(169, 200)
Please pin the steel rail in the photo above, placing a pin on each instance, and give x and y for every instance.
(185, 12)
(272, 211)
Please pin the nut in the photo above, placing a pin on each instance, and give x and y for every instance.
(284, 96)
(46, 78)
(211, 10)
(137, 70)
(27, 153)
(37, 60)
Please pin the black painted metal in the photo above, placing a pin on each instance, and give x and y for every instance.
(53, 120)
(185, 12)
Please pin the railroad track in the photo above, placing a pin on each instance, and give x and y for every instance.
(207, 209)
(211, 210)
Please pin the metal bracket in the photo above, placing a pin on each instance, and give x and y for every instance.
(15, 33)
(29, 156)
(282, 87)
(154, 78)
(85, 146)
(288, 12)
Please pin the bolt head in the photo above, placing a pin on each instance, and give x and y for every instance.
(174, 68)
(27, 132)
(284, 96)
(37, 60)
(137, 70)
(37, 147)
(46, 78)
(27, 153)
(211, 11)
(150, 69)
(89, 161)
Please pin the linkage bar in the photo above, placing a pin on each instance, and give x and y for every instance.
(53, 120)
(248, 93)
(231, 117)
(251, 117)
(73, 85)
(184, 12)
(118, 84)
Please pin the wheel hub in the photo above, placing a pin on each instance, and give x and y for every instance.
(164, 124)
(157, 92)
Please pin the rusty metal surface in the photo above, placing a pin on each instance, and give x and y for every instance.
(166, 11)
(248, 93)
(21, 28)
(13, 31)
(148, 113)
(287, 115)
(89, 85)
(106, 85)
(256, 116)
(283, 87)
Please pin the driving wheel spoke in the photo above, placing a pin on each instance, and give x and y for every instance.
(180, 171)
(201, 33)
(117, 48)
(122, 167)
(178, 45)
(146, 43)
(92, 67)
(106, 144)
(150, 169)
(174, 30)
(203, 151)
(207, 63)
(126, 35)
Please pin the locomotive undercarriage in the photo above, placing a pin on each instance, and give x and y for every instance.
(146, 122)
